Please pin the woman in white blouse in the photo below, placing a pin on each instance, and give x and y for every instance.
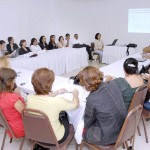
(98, 46)
(34, 45)
(61, 43)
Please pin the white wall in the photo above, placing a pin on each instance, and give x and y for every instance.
(25, 19)
(33, 18)
(109, 17)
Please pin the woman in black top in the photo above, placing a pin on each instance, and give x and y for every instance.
(52, 44)
(11, 46)
(43, 43)
(23, 50)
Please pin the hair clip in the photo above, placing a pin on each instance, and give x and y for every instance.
(131, 65)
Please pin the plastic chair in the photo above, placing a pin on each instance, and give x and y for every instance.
(38, 130)
(139, 98)
(5, 125)
(127, 132)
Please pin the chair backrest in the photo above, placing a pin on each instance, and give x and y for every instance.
(139, 97)
(92, 46)
(5, 124)
(130, 125)
(38, 127)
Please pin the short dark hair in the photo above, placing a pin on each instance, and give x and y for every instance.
(41, 39)
(67, 34)
(90, 77)
(60, 38)
(21, 42)
(75, 34)
(131, 66)
(42, 80)
(96, 36)
(32, 41)
(2, 42)
(7, 76)
(9, 39)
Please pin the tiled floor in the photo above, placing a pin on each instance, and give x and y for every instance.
(140, 143)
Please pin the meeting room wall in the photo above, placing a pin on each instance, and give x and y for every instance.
(110, 18)
(24, 19)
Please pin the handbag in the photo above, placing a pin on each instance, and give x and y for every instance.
(76, 79)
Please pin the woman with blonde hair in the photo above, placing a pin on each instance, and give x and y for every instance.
(46, 101)
(11, 103)
(4, 63)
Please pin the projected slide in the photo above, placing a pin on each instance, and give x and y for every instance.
(139, 20)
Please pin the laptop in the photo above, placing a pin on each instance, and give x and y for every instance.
(140, 59)
(113, 43)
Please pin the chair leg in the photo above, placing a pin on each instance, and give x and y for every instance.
(4, 138)
(124, 146)
(145, 130)
(10, 140)
(139, 132)
(22, 142)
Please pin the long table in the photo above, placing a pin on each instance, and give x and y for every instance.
(76, 116)
(61, 61)
(114, 53)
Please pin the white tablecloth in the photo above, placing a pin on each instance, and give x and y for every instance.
(61, 61)
(114, 53)
(75, 116)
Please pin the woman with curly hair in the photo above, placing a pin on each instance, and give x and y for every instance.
(105, 110)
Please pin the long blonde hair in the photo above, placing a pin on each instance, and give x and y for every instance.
(4, 63)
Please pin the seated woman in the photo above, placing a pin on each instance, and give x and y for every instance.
(45, 100)
(43, 43)
(98, 46)
(34, 45)
(105, 110)
(24, 50)
(4, 63)
(11, 46)
(131, 82)
(61, 43)
(11, 103)
(146, 77)
(52, 44)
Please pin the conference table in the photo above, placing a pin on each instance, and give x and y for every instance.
(75, 116)
(114, 53)
(61, 60)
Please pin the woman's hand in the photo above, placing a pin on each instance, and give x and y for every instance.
(62, 91)
(108, 78)
(75, 93)
(145, 76)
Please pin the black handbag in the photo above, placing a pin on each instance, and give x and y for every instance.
(76, 80)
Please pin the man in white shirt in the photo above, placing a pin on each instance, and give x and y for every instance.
(68, 42)
(76, 40)
(78, 44)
